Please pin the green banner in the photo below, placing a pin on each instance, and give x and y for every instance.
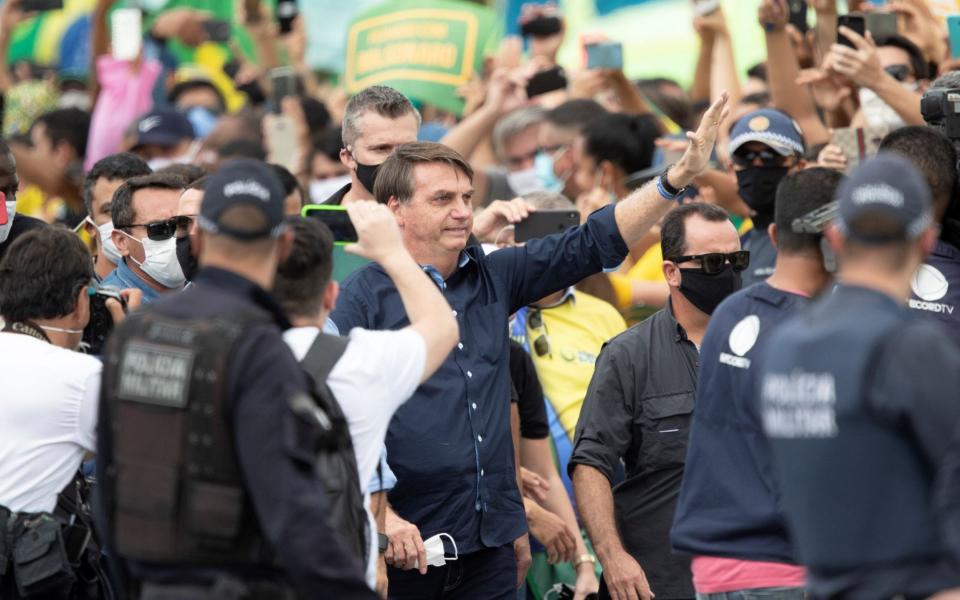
(424, 48)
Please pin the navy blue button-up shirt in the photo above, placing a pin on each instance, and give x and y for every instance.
(450, 444)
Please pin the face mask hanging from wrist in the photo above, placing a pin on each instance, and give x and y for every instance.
(436, 554)
(160, 261)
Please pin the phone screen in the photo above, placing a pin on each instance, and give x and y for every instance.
(126, 38)
(337, 219)
(855, 22)
(283, 81)
(608, 55)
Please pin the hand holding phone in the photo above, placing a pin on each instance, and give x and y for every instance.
(283, 83)
(855, 23)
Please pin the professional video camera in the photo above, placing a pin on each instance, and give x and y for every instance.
(940, 108)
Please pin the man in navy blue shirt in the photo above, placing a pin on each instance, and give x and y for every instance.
(858, 400)
(450, 444)
(727, 516)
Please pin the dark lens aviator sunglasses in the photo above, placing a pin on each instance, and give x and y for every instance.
(713, 262)
(157, 231)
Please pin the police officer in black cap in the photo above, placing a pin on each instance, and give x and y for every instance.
(858, 398)
(207, 433)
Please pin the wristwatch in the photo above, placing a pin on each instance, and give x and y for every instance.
(382, 541)
(585, 558)
(666, 189)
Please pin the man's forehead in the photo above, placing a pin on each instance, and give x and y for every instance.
(189, 202)
(702, 236)
(440, 176)
(375, 129)
(155, 200)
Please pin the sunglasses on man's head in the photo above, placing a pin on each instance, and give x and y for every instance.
(714, 262)
(768, 158)
(157, 231)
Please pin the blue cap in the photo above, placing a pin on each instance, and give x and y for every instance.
(768, 126)
(885, 185)
(163, 127)
(243, 181)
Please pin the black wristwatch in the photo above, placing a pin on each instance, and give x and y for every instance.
(666, 188)
(382, 541)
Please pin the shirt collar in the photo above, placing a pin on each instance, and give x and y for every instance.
(129, 279)
(568, 294)
(241, 286)
(437, 277)
(680, 334)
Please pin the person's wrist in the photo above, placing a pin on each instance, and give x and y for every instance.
(679, 175)
(608, 550)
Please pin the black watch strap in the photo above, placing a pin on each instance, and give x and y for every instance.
(667, 187)
(382, 541)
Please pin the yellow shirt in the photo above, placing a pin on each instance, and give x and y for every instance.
(576, 330)
(648, 268)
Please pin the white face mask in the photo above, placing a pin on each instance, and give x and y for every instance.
(161, 261)
(107, 246)
(524, 182)
(878, 113)
(436, 555)
(11, 213)
(321, 189)
(184, 159)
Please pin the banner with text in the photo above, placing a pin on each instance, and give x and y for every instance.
(424, 48)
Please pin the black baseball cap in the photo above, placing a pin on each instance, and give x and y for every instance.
(163, 127)
(886, 184)
(243, 181)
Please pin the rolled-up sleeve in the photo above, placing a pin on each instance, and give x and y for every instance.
(546, 265)
(603, 433)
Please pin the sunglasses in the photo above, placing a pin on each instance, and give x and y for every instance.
(157, 231)
(541, 343)
(899, 72)
(714, 262)
(768, 158)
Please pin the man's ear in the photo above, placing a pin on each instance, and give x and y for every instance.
(772, 232)
(834, 238)
(672, 273)
(120, 241)
(346, 157)
(330, 295)
(64, 154)
(284, 245)
(395, 207)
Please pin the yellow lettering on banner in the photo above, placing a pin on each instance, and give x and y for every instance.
(399, 31)
(414, 54)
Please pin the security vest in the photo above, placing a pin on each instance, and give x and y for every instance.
(173, 488)
(935, 288)
(830, 451)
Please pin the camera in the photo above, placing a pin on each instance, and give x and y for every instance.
(940, 108)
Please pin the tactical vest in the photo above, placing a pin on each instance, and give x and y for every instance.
(173, 488)
(336, 460)
(857, 491)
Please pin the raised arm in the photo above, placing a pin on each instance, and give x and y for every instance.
(782, 73)
(429, 314)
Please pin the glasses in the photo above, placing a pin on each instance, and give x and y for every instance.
(768, 158)
(714, 262)
(899, 72)
(541, 343)
(184, 224)
(157, 231)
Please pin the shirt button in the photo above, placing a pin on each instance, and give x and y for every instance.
(477, 506)
(454, 313)
(460, 346)
(479, 438)
(470, 374)
(481, 472)
(474, 406)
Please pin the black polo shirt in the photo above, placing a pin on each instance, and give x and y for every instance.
(638, 409)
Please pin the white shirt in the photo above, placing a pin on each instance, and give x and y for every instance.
(377, 373)
(48, 419)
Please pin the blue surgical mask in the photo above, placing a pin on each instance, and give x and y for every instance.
(543, 165)
(203, 120)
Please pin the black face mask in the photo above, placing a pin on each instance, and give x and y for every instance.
(367, 174)
(188, 262)
(758, 188)
(706, 292)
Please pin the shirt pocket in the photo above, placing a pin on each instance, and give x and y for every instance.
(665, 424)
(487, 329)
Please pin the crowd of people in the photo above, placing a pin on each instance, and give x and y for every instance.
(621, 339)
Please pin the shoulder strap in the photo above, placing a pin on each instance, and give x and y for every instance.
(323, 354)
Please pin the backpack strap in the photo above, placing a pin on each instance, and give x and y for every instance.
(323, 354)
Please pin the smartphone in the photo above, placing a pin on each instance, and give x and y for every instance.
(281, 139)
(334, 217)
(702, 8)
(283, 83)
(881, 25)
(542, 26)
(798, 14)
(287, 11)
(858, 143)
(100, 326)
(126, 33)
(545, 222)
(41, 5)
(546, 81)
(855, 22)
(953, 29)
(218, 30)
(608, 55)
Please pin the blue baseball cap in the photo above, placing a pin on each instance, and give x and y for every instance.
(887, 185)
(768, 126)
(163, 127)
(248, 182)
